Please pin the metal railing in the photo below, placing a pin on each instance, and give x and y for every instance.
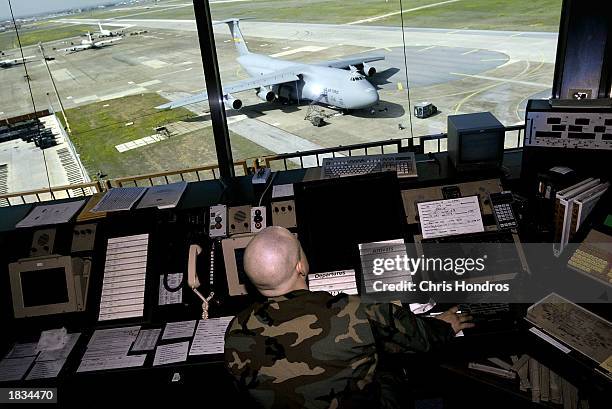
(420, 144)
(312, 158)
(195, 174)
(305, 159)
(437, 142)
(55, 193)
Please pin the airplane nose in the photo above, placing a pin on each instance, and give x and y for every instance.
(372, 95)
(364, 97)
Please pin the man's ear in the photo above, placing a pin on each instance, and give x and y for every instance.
(300, 269)
(303, 263)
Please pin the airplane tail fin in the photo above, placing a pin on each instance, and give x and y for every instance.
(100, 25)
(234, 26)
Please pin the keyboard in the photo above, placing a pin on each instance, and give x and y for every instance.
(404, 164)
(593, 261)
(485, 310)
(489, 317)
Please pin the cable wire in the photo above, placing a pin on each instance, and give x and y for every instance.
(406, 70)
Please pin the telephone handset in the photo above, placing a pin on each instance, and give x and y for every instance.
(192, 276)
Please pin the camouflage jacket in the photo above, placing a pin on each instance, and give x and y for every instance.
(311, 349)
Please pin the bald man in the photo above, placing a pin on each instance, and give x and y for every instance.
(296, 348)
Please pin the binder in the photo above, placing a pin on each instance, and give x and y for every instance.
(563, 212)
(584, 203)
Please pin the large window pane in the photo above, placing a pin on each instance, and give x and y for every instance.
(107, 73)
(462, 56)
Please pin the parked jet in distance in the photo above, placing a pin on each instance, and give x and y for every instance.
(15, 61)
(340, 83)
(107, 33)
(90, 44)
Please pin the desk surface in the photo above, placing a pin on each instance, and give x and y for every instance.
(433, 171)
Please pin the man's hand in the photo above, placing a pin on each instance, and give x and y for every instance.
(457, 321)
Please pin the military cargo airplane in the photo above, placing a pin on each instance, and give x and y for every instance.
(15, 61)
(340, 83)
(90, 44)
(107, 33)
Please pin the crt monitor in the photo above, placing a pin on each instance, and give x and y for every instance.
(49, 285)
(336, 215)
(233, 256)
(475, 141)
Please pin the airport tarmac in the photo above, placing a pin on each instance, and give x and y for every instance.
(459, 71)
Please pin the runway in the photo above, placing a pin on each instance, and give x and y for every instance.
(532, 46)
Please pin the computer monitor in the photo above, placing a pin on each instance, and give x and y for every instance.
(336, 215)
(233, 256)
(475, 141)
(49, 285)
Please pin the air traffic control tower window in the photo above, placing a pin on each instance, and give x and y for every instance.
(325, 73)
(81, 87)
(362, 66)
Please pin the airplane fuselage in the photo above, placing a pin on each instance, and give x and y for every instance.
(14, 62)
(332, 86)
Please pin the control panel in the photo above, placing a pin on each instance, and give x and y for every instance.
(258, 218)
(283, 214)
(567, 128)
(217, 221)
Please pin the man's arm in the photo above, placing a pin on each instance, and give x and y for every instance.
(399, 330)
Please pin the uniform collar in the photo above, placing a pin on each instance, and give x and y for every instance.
(289, 295)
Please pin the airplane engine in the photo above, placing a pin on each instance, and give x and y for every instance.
(266, 94)
(231, 102)
(368, 70)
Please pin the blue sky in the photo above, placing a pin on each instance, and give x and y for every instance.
(29, 7)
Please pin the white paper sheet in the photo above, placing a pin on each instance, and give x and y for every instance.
(209, 336)
(282, 190)
(167, 354)
(13, 369)
(450, 217)
(147, 339)
(112, 363)
(108, 348)
(163, 196)
(62, 353)
(21, 350)
(168, 297)
(46, 369)
(179, 329)
(53, 339)
(59, 213)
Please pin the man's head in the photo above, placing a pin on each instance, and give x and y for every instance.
(275, 262)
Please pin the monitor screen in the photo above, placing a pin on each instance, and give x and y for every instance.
(239, 256)
(336, 215)
(44, 287)
(481, 147)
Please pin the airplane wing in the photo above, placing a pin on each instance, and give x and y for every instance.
(106, 42)
(75, 48)
(274, 78)
(345, 62)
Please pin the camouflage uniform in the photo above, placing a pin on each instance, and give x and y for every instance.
(311, 349)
